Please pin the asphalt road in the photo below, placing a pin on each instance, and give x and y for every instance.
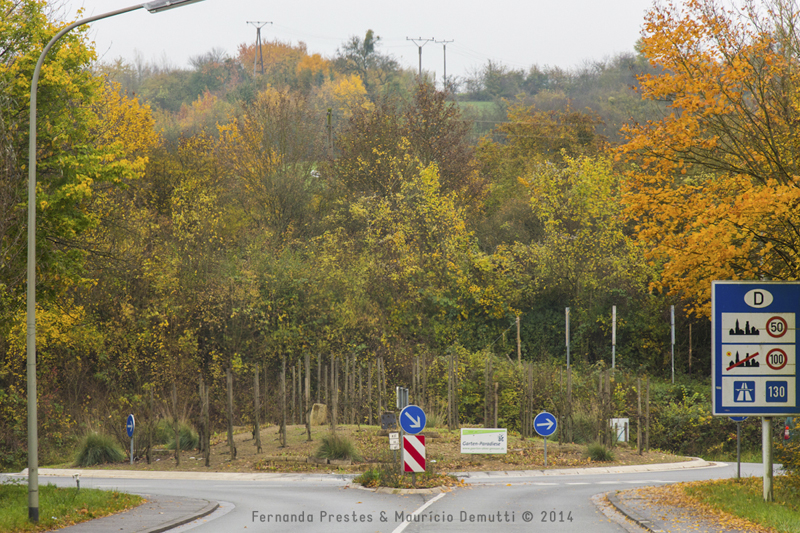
(325, 503)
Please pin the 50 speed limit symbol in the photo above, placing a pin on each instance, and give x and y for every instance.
(776, 327)
(776, 359)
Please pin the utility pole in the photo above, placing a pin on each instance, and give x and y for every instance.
(424, 42)
(444, 47)
(258, 57)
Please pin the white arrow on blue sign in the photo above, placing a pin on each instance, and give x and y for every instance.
(412, 419)
(131, 425)
(545, 424)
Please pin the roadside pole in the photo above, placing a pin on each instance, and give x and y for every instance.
(766, 439)
(545, 451)
(545, 424)
(130, 426)
(738, 450)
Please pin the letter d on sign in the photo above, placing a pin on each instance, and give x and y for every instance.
(758, 298)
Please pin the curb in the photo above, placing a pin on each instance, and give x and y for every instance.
(205, 511)
(632, 515)
(390, 490)
(695, 462)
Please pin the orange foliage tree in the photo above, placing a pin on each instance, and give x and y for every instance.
(714, 188)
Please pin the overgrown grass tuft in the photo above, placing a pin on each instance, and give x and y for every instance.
(336, 446)
(64, 506)
(599, 452)
(96, 449)
(189, 439)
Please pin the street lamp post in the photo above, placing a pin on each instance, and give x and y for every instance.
(33, 438)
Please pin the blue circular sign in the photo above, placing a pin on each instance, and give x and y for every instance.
(412, 419)
(738, 418)
(545, 424)
(130, 425)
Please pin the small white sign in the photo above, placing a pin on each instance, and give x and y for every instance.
(394, 441)
(484, 440)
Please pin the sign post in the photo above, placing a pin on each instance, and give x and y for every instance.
(754, 355)
(545, 425)
(412, 421)
(130, 426)
(738, 420)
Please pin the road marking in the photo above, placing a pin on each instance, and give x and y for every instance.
(424, 506)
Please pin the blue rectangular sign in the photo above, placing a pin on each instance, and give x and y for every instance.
(754, 348)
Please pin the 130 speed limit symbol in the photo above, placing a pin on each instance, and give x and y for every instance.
(776, 359)
(776, 327)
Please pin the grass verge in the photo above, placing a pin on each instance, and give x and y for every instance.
(744, 499)
(58, 507)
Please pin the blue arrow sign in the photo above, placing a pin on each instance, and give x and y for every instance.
(412, 419)
(545, 424)
(738, 418)
(131, 425)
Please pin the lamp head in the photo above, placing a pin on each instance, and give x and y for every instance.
(157, 6)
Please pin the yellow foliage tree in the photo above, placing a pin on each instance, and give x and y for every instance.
(715, 184)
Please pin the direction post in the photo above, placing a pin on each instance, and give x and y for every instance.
(754, 355)
(130, 426)
(412, 421)
(738, 420)
(545, 425)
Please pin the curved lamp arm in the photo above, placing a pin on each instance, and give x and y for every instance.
(33, 438)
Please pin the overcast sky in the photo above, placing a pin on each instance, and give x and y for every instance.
(516, 33)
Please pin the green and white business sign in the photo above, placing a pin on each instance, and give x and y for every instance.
(480, 440)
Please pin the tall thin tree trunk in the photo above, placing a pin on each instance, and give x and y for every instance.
(360, 404)
(201, 430)
(294, 394)
(231, 443)
(334, 393)
(256, 409)
(283, 403)
(207, 424)
(308, 396)
(175, 423)
(380, 396)
(369, 391)
(150, 427)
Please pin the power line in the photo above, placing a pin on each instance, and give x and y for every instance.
(424, 42)
(444, 47)
(258, 57)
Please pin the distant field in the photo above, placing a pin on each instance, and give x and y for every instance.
(478, 105)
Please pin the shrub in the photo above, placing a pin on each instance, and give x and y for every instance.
(189, 439)
(335, 446)
(97, 449)
(599, 452)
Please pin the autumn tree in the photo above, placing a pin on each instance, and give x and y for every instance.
(715, 188)
(528, 138)
(436, 134)
(270, 153)
(362, 58)
(585, 258)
